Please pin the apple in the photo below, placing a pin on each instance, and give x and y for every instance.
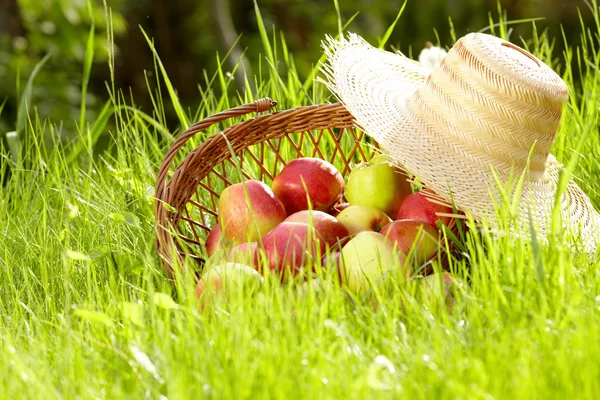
(338, 208)
(215, 240)
(308, 179)
(330, 230)
(288, 248)
(227, 279)
(248, 210)
(406, 234)
(378, 183)
(243, 253)
(366, 259)
(363, 218)
(417, 206)
(439, 287)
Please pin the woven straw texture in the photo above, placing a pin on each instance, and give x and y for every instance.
(484, 117)
(187, 198)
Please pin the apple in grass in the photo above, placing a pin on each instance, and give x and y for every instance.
(227, 279)
(316, 288)
(439, 287)
(363, 218)
(378, 183)
(330, 230)
(308, 180)
(417, 206)
(248, 210)
(367, 259)
(419, 236)
(288, 248)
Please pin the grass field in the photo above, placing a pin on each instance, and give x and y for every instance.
(87, 312)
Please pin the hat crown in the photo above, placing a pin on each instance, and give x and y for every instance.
(486, 104)
(494, 101)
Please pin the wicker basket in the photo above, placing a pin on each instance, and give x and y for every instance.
(186, 201)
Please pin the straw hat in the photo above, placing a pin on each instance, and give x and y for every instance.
(483, 118)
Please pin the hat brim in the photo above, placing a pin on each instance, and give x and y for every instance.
(377, 86)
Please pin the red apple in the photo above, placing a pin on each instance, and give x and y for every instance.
(248, 210)
(288, 248)
(406, 234)
(330, 230)
(305, 179)
(363, 218)
(243, 253)
(215, 240)
(338, 208)
(417, 206)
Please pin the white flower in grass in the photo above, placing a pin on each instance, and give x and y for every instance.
(431, 55)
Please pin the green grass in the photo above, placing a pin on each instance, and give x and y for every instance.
(87, 312)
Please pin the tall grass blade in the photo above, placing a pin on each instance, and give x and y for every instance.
(93, 134)
(389, 31)
(87, 69)
(263, 34)
(183, 120)
(26, 96)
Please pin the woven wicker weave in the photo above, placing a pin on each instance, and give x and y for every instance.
(186, 201)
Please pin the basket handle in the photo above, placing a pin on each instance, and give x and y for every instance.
(257, 106)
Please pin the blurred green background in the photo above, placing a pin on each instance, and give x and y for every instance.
(189, 34)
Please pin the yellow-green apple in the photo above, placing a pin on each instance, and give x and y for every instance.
(215, 240)
(288, 248)
(363, 218)
(439, 287)
(338, 208)
(226, 279)
(330, 230)
(243, 253)
(409, 234)
(248, 210)
(417, 206)
(366, 259)
(308, 179)
(379, 184)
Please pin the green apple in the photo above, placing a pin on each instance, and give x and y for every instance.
(226, 279)
(366, 259)
(363, 218)
(378, 184)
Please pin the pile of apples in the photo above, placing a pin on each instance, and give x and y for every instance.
(300, 225)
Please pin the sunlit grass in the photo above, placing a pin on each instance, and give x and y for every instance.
(86, 310)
